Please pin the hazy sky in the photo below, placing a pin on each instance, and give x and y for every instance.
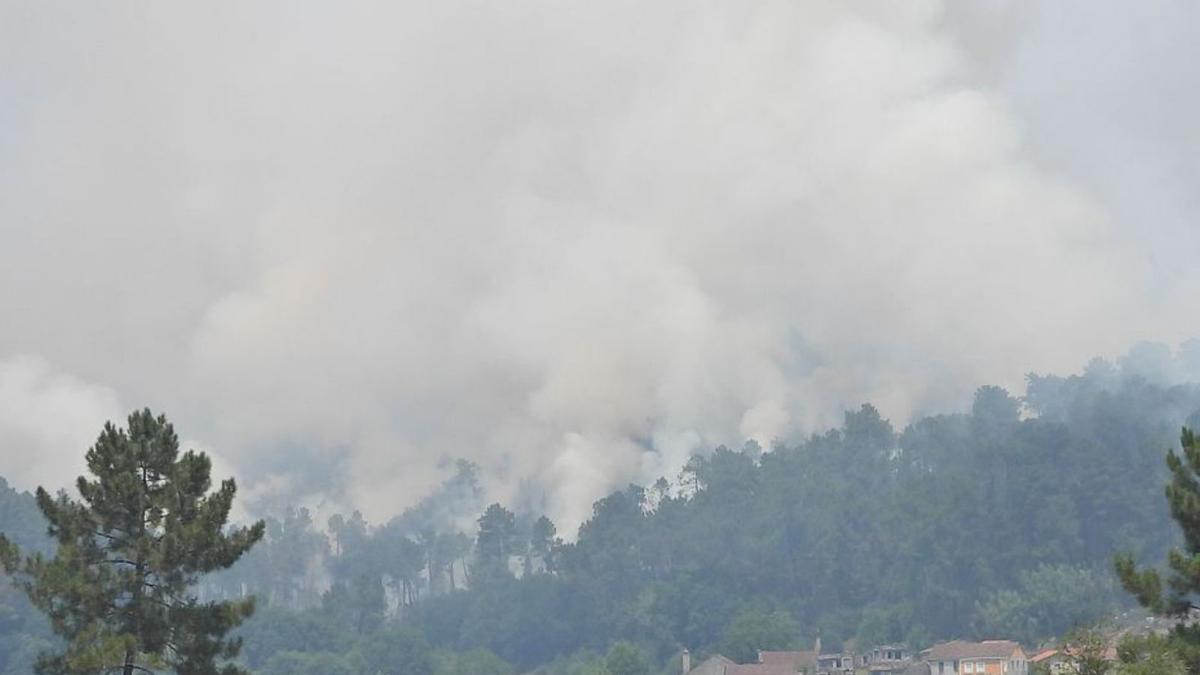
(338, 243)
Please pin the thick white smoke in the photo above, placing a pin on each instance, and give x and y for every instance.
(47, 419)
(572, 242)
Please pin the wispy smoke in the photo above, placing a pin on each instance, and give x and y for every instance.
(47, 418)
(572, 243)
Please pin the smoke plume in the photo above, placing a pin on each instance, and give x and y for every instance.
(571, 242)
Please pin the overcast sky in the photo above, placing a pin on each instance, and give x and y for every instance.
(339, 243)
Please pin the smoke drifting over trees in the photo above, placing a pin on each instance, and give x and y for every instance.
(1001, 520)
(573, 245)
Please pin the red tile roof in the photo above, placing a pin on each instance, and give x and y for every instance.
(961, 649)
(1042, 655)
(793, 659)
(1108, 654)
(762, 669)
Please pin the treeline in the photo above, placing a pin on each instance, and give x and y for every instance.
(1001, 520)
(24, 632)
(998, 521)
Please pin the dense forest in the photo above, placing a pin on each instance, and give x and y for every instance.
(998, 521)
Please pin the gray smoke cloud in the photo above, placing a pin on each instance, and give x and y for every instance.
(571, 242)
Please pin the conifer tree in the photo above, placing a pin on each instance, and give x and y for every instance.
(1177, 598)
(544, 541)
(119, 589)
(496, 541)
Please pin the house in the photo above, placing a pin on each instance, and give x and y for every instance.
(769, 663)
(888, 654)
(798, 661)
(990, 657)
(882, 660)
(763, 669)
(897, 668)
(1053, 660)
(842, 663)
(716, 665)
(893, 660)
(1060, 661)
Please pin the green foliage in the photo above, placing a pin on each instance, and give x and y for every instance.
(1049, 601)
(626, 658)
(862, 531)
(753, 630)
(1150, 655)
(300, 663)
(1087, 651)
(544, 544)
(1183, 495)
(999, 515)
(890, 625)
(399, 651)
(473, 662)
(283, 566)
(118, 590)
(496, 542)
(582, 662)
(525, 621)
(24, 633)
(273, 630)
(596, 668)
(21, 521)
(1175, 597)
(359, 604)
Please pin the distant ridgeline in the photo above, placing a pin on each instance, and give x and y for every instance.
(23, 631)
(1000, 522)
(21, 520)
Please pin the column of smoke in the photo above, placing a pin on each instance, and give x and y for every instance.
(571, 244)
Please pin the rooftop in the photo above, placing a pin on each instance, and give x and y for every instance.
(961, 649)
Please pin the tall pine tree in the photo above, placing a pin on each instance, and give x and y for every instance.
(496, 542)
(119, 589)
(1178, 598)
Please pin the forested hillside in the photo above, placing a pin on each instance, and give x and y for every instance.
(999, 521)
(23, 631)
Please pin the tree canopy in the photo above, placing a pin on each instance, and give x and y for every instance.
(997, 521)
(1176, 596)
(119, 587)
